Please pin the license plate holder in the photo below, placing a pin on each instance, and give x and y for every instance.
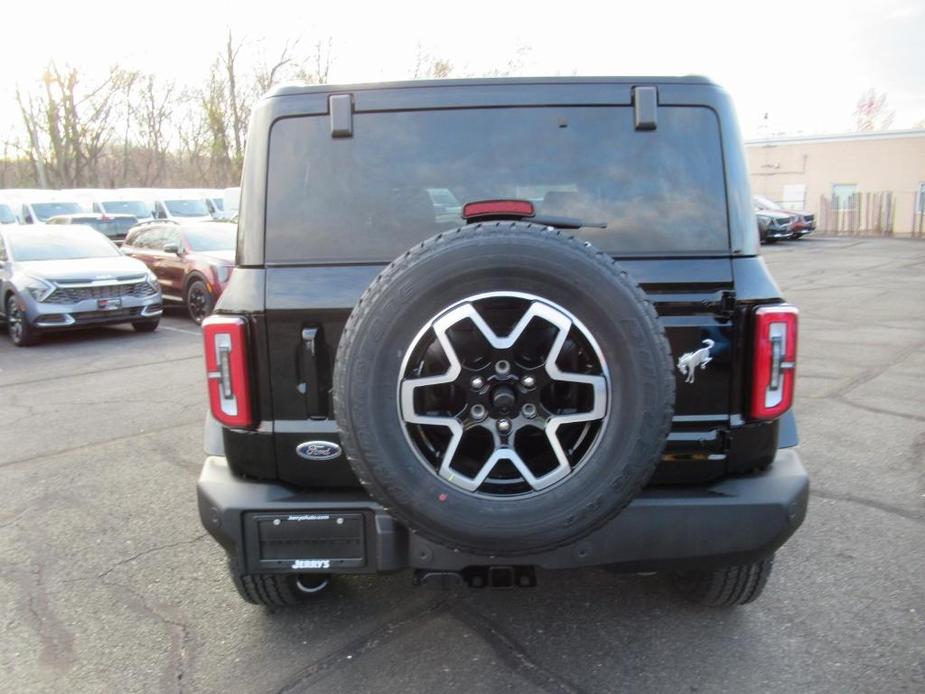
(108, 304)
(306, 541)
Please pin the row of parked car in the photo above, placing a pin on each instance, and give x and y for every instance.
(56, 277)
(777, 223)
(114, 211)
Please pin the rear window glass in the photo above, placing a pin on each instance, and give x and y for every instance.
(187, 208)
(403, 176)
(133, 207)
(110, 227)
(44, 210)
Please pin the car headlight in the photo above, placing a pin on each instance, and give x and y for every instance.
(151, 279)
(223, 272)
(38, 288)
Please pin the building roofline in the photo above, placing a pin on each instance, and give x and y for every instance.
(835, 137)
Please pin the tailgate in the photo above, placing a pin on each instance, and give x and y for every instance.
(307, 308)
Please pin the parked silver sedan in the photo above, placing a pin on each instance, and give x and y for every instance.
(62, 278)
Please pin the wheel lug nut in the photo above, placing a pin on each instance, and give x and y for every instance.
(528, 410)
(502, 367)
(504, 425)
(528, 381)
(477, 382)
(478, 412)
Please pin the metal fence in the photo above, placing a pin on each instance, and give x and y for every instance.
(871, 214)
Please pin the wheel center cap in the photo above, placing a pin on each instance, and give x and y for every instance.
(504, 399)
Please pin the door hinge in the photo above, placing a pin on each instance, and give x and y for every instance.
(727, 305)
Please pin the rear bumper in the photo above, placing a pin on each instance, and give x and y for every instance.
(736, 520)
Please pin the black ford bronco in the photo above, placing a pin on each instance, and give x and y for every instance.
(483, 326)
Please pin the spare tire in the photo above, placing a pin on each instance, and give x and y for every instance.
(503, 388)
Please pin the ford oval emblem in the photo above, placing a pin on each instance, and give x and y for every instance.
(318, 450)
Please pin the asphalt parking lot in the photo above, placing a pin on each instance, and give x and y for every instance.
(109, 584)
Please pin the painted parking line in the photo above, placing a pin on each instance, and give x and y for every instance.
(180, 330)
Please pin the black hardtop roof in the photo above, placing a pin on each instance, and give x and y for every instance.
(296, 89)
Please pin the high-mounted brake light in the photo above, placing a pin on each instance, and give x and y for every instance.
(498, 208)
(775, 359)
(225, 340)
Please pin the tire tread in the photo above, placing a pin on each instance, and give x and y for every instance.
(727, 586)
(435, 244)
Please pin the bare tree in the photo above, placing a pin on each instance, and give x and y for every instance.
(130, 128)
(32, 120)
(428, 66)
(316, 68)
(269, 73)
(514, 64)
(69, 128)
(871, 112)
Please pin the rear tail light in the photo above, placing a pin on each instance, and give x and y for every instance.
(226, 369)
(775, 356)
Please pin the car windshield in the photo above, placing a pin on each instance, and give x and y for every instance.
(219, 203)
(64, 245)
(187, 208)
(44, 210)
(221, 238)
(6, 215)
(369, 198)
(136, 208)
(763, 203)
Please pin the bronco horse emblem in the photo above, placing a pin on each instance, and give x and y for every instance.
(688, 363)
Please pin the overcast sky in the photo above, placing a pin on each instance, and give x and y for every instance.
(804, 63)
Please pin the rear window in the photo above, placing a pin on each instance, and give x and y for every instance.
(136, 208)
(403, 176)
(114, 228)
(44, 210)
(187, 208)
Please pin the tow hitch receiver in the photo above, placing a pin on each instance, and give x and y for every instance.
(478, 577)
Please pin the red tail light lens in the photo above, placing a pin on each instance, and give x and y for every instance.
(226, 369)
(494, 208)
(775, 360)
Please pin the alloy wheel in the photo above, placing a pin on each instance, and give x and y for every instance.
(199, 302)
(503, 394)
(14, 319)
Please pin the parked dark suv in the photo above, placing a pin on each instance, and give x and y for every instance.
(585, 363)
(113, 226)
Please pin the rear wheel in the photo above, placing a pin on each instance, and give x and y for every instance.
(727, 586)
(21, 333)
(199, 301)
(277, 590)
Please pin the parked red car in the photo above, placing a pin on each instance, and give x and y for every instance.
(192, 262)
